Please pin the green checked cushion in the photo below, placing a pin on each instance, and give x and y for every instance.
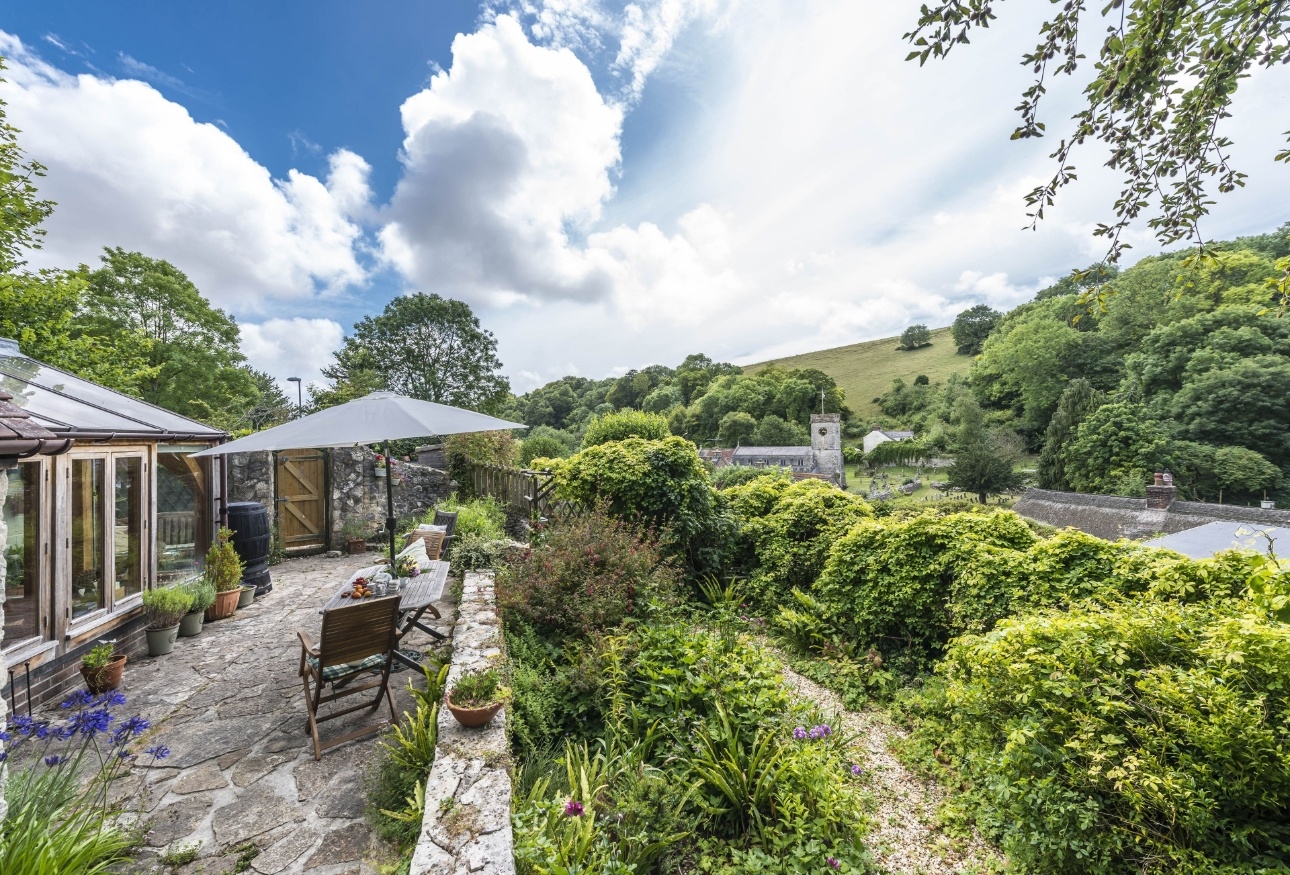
(334, 672)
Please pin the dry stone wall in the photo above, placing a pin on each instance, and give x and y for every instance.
(466, 829)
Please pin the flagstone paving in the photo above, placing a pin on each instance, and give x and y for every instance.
(241, 778)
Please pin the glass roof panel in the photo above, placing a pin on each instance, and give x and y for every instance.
(62, 401)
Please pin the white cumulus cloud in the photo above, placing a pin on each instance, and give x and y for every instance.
(129, 168)
(295, 347)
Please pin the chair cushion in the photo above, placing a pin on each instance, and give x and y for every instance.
(427, 527)
(333, 672)
(416, 549)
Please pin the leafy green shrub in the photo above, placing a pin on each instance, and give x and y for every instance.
(555, 692)
(657, 484)
(394, 782)
(540, 447)
(676, 675)
(782, 799)
(1141, 736)
(464, 451)
(165, 606)
(603, 808)
(484, 518)
(625, 424)
(895, 584)
(791, 539)
(737, 475)
(223, 566)
(470, 552)
(589, 574)
(200, 592)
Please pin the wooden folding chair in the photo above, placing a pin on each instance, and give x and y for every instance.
(354, 639)
(432, 540)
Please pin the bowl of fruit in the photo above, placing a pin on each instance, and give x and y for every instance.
(361, 588)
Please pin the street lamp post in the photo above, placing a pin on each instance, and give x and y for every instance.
(300, 407)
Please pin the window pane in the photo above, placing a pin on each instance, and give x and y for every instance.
(22, 554)
(181, 513)
(127, 535)
(88, 561)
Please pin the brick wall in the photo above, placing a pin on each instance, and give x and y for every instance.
(52, 680)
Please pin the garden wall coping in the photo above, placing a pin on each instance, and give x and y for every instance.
(466, 829)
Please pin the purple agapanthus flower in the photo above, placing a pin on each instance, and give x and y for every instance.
(800, 733)
(159, 751)
(90, 723)
(54, 760)
(856, 770)
(131, 728)
(78, 699)
(573, 808)
(112, 697)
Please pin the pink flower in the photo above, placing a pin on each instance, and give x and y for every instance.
(833, 863)
(573, 808)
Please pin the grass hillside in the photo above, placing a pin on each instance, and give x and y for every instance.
(865, 370)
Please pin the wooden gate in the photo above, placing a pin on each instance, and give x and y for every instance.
(300, 486)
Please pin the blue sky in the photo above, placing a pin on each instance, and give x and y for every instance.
(608, 184)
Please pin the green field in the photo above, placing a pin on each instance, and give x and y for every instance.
(865, 370)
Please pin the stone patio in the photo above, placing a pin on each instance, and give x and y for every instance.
(228, 704)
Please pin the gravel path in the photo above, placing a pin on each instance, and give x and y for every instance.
(905, 838)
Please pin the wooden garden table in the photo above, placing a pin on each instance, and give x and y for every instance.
(416, 598)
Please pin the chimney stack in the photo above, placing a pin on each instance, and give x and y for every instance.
(1161, 493)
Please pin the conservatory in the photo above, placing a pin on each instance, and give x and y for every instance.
(119, 507)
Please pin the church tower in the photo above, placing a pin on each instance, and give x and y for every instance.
(826, 444)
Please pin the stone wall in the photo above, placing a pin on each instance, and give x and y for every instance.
(250, 478)
(472, 833)
(357, 493)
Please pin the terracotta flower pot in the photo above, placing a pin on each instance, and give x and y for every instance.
(108, 677)
(357, 545)
(474, 717)
(224, 606)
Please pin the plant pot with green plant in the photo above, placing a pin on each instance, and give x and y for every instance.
(163, 608)
(102, 667)
(202, 594)
(224, 571)
(354, 531)
(477, 696)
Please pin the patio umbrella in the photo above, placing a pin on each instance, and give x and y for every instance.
(375, 418)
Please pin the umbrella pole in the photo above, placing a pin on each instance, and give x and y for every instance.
(389, 500)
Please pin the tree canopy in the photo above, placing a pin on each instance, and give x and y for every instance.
(1163, 82)
(915, 336)
(423, 346)
(972, 327)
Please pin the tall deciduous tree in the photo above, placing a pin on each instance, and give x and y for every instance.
(197, 368)
(423, 346)
(1116, 449)
(22, 211)
(972, 327)
(1163, 82)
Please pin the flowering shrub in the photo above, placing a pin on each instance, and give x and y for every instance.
(59, 818)
(589, 575)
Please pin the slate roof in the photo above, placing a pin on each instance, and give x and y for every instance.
(773, 452)
(898, 435)
(1113, 516)
(1204, 541)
